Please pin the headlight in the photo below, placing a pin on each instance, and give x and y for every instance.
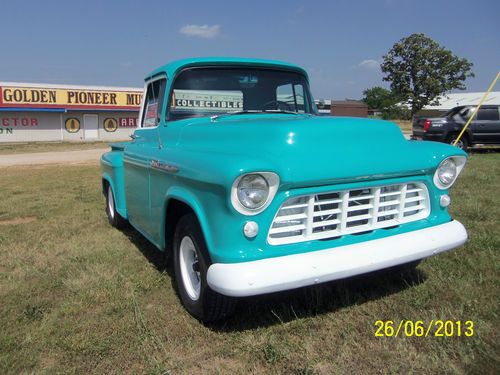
(253, 191)
(448, 170)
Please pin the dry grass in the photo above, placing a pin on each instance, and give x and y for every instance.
(78, 296)
(404, 125)
(18, 220)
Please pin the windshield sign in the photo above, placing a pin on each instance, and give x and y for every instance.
(205, 100)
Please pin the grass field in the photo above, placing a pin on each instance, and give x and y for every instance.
(77, 296)
(30, 147)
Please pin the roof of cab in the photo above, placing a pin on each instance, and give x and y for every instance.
(173, 67)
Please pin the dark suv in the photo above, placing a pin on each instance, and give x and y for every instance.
(484, 128)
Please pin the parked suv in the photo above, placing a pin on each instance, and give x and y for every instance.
(484, 128)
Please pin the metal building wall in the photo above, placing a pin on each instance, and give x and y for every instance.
(17, 126)
(41, 126)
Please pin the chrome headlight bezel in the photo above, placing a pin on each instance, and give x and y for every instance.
(459, 162)
(272, 180)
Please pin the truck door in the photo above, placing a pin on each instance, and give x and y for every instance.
(487, 125)
(138, 156)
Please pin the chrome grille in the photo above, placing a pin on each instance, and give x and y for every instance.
(333, 214)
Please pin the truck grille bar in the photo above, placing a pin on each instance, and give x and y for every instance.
(334, 214)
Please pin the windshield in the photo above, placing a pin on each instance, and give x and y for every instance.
(219, 91)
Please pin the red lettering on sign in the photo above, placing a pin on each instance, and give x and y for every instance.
(19, 121)
(127, 122)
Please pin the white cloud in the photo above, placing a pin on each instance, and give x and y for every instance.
(200, 31)
(369, 63)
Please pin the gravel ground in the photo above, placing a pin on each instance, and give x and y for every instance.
(56, 157)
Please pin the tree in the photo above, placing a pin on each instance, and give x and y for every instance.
(420, 70)
(385, 101)
(378, 98)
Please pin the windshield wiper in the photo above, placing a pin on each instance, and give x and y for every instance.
(253, 111)
(279, 111)
(215, 117)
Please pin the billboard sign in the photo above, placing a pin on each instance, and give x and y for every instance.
(47, 97)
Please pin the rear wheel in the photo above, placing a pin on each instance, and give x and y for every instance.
(462, 143)
(114, 217)
(191, 262)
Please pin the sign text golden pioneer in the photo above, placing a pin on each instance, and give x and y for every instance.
(68, 98)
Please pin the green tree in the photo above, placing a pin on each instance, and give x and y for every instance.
(378, 98)
(420, 70)
(386, 102)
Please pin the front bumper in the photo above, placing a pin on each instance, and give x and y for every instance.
(299, 270)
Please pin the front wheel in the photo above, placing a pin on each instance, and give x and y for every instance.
(191, 262)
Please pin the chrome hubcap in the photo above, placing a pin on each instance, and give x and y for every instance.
(189, 266)
(459, 144)
(111, 203)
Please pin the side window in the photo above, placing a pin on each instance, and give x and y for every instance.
(488, 114)
(465, 113)
(153, 103)
(293, 95)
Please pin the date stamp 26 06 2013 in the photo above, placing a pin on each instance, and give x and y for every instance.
(419, 328)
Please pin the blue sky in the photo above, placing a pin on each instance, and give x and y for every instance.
(340, 43)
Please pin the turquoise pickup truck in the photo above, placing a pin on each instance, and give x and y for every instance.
(234, 174)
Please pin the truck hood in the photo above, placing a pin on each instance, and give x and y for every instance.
(309, 150)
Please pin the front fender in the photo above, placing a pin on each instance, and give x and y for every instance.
(182, 194)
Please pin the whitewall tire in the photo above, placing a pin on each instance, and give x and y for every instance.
(114, 217)
(191, 262)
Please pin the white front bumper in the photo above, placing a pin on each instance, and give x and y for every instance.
(295, 271)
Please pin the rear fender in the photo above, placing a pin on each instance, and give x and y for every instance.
(112, 173)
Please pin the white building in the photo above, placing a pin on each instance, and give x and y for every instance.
(449, 101)
(42, 112)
